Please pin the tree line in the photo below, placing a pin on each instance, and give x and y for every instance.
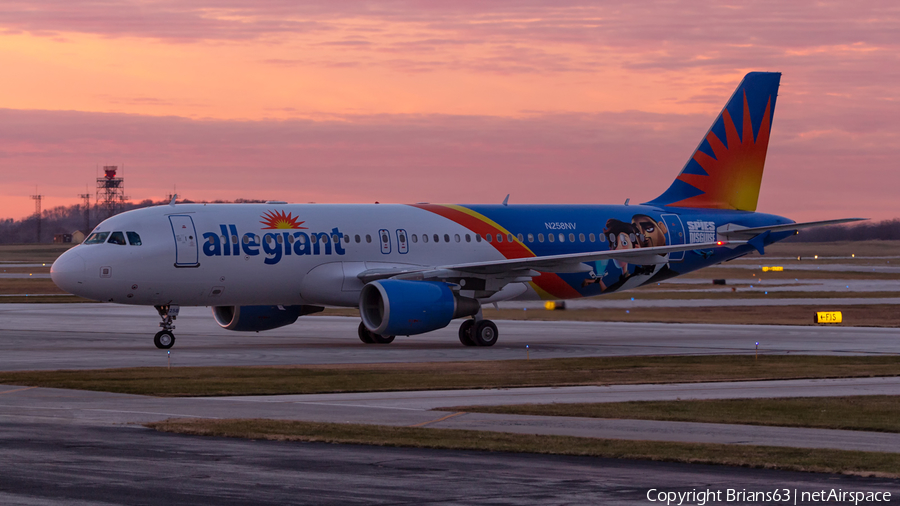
(67, 219)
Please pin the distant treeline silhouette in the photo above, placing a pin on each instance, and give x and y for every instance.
(887, 230)
(67, 219)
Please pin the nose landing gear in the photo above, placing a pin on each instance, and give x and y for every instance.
(164, 339)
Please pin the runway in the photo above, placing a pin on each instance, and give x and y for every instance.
(74, 447)
(88, 336)
(65, 447)
(93, 466)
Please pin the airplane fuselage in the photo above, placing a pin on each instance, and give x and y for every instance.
(256, 254)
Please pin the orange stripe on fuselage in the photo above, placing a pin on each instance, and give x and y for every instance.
(547, 282)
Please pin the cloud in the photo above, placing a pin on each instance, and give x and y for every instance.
(555, 158)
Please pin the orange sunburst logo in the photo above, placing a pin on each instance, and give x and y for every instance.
(277, 219)
(735, 173)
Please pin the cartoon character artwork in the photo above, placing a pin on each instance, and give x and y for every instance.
(653, 232)
(642, 232)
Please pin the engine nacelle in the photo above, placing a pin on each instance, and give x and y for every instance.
(256, 318)
(392, 307)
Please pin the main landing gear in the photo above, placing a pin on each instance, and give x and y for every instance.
(478, 333)
(369, 337)
(164, 339)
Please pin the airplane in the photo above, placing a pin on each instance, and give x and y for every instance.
(413, 268)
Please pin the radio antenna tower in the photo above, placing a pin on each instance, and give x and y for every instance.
(37, 212)
(110, 190)
(87, 210)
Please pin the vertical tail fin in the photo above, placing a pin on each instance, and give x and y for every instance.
(726, 169)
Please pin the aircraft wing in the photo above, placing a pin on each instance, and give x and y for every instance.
(732, 231)
(572, 262)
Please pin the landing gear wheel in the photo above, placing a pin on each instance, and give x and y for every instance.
(364, 334)
(368, 337)
(164, 339)
(485, 333)
(465, 333)
(382, 339)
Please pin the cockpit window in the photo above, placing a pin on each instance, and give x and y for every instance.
(117, 238)
(97, 238)
(134, 238)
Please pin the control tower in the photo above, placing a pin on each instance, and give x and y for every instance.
(110, 191)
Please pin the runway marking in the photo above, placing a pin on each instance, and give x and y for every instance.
(354, 405)
(16, 390)
(441, 419)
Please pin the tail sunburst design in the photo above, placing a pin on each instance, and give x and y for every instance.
(725, 171)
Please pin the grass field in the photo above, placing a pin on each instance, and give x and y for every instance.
(797, 459)
(210, 381)
(871, 412)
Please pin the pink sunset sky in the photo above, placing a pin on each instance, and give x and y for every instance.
(462, 101)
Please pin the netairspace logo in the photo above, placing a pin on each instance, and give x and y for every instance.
(776, 496)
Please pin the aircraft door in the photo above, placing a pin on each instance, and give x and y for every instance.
(402, 243)
(187, 252)
(385, 237)
(675, 235)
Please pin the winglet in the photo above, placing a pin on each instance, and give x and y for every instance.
(759, 242)
(172, 203)
(506, 200)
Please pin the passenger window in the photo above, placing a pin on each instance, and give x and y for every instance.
(572, 238)
(591, 237)
(234, 239)
(551, 237)
(436, 238)
(489, 237)
(562, 238)
(509, 238)
(468, 238)
(279, 239)
(97, 238)
(368, 238)
(456, 237)
(530, 237)
(346, 238)
(477, 237)
(134, 238)
(291, 239)
(540, 237)
(499, 237)
(356, 238)
(117, 238)
(246, 239)
(335, 238)
(414, 238)
(446, 237)
(520, 238)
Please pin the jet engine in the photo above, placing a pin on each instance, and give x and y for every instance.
(397, 307)
(256, 318)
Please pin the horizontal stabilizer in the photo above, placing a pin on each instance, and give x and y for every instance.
(737, 232)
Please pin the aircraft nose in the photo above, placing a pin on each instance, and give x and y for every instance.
(68, 271)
